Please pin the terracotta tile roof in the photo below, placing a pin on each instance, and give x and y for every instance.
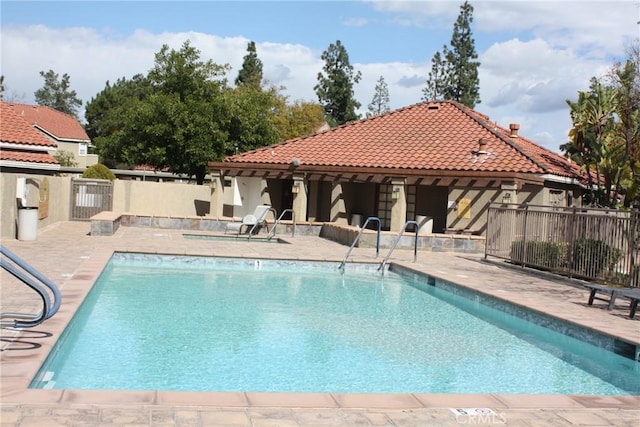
(426, 136)
(16, 130)
(21, 142)
(27, 157)
(59, 125)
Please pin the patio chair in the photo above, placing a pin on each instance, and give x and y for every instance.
(613, 293)
(251, 223)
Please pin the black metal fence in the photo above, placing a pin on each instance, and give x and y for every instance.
(600, 245)
(90, 197)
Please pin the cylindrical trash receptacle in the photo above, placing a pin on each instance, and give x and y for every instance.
(356, 220)
(425, 224)
(27, 223)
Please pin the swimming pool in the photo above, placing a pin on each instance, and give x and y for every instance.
(220, 324)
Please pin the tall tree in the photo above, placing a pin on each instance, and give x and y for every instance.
(2, 88)
(335, 85)
(250, 74)
(436, 81)
(299, 119)
(173, 118)
(107, 116)
(454, 72)
(57, 93)
(593, 117)
(380, 103)
(625, 78)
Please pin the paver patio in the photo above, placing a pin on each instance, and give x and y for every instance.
(70, 257)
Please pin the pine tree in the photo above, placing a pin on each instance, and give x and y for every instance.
(463, 82)
(454, 72)
(250, 75)
(56, 93)
(436, 82)
(335, 86)
(380, 102)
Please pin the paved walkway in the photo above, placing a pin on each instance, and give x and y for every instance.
(69, 256)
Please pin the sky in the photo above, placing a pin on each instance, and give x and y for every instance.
(534, 55)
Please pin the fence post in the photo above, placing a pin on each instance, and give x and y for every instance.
(634, 244)
(572, 222)
(524, 235)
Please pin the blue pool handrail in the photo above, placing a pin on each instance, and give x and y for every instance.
(35, 280)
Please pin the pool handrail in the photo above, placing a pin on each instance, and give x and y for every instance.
(272, 233)
(395, 243)
(262, 219)
(355, 241)
(35, 280)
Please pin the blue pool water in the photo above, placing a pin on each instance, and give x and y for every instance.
(208, 324)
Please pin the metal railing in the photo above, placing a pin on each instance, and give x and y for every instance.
(261, 221)
(601, 245)
(272, 233)
(395, 243)
(355, 241)
(36, 281)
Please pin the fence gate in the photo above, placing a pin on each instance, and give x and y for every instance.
(90, 197)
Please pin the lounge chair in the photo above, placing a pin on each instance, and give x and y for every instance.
(251, 223)
(613, 293)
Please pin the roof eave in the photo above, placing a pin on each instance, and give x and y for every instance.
(29, 165)
(27, 147)
(242, 168)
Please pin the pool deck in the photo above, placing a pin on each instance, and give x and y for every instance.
(67, 254)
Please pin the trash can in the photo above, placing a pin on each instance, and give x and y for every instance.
(425, 224)
(27, 223)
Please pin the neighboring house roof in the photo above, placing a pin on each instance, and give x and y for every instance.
(21, 144)
(58, 125)
(428, 137)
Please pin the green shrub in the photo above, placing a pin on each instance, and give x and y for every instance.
(538, 253)
(65, 158)
(592, 257)
(98, 171)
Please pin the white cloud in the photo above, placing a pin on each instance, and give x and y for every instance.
(546, 52)
(355, 22)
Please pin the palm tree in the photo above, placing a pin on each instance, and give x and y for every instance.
(593, 120)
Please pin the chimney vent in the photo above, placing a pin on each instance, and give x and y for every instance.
(514, 127)
(482, 146)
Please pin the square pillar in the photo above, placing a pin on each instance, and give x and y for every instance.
(299, 191)
(265, 196)
(217, 195)
(399, 204)
(338, 213)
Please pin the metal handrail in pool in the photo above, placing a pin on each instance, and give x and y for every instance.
(395, 243)
(293, 219)
(35, 280)
(364, 226)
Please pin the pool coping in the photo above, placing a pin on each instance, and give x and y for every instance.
(19, 369)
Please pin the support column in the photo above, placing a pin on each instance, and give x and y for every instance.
(312, 214)
(399, 206)
(299, 191)
(217, 195)
(265, 196)
(338, 209)
(509, 192)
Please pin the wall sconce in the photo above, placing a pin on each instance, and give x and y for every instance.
(395, 194)
(295, 189)
(213, 184)
(506, 197)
